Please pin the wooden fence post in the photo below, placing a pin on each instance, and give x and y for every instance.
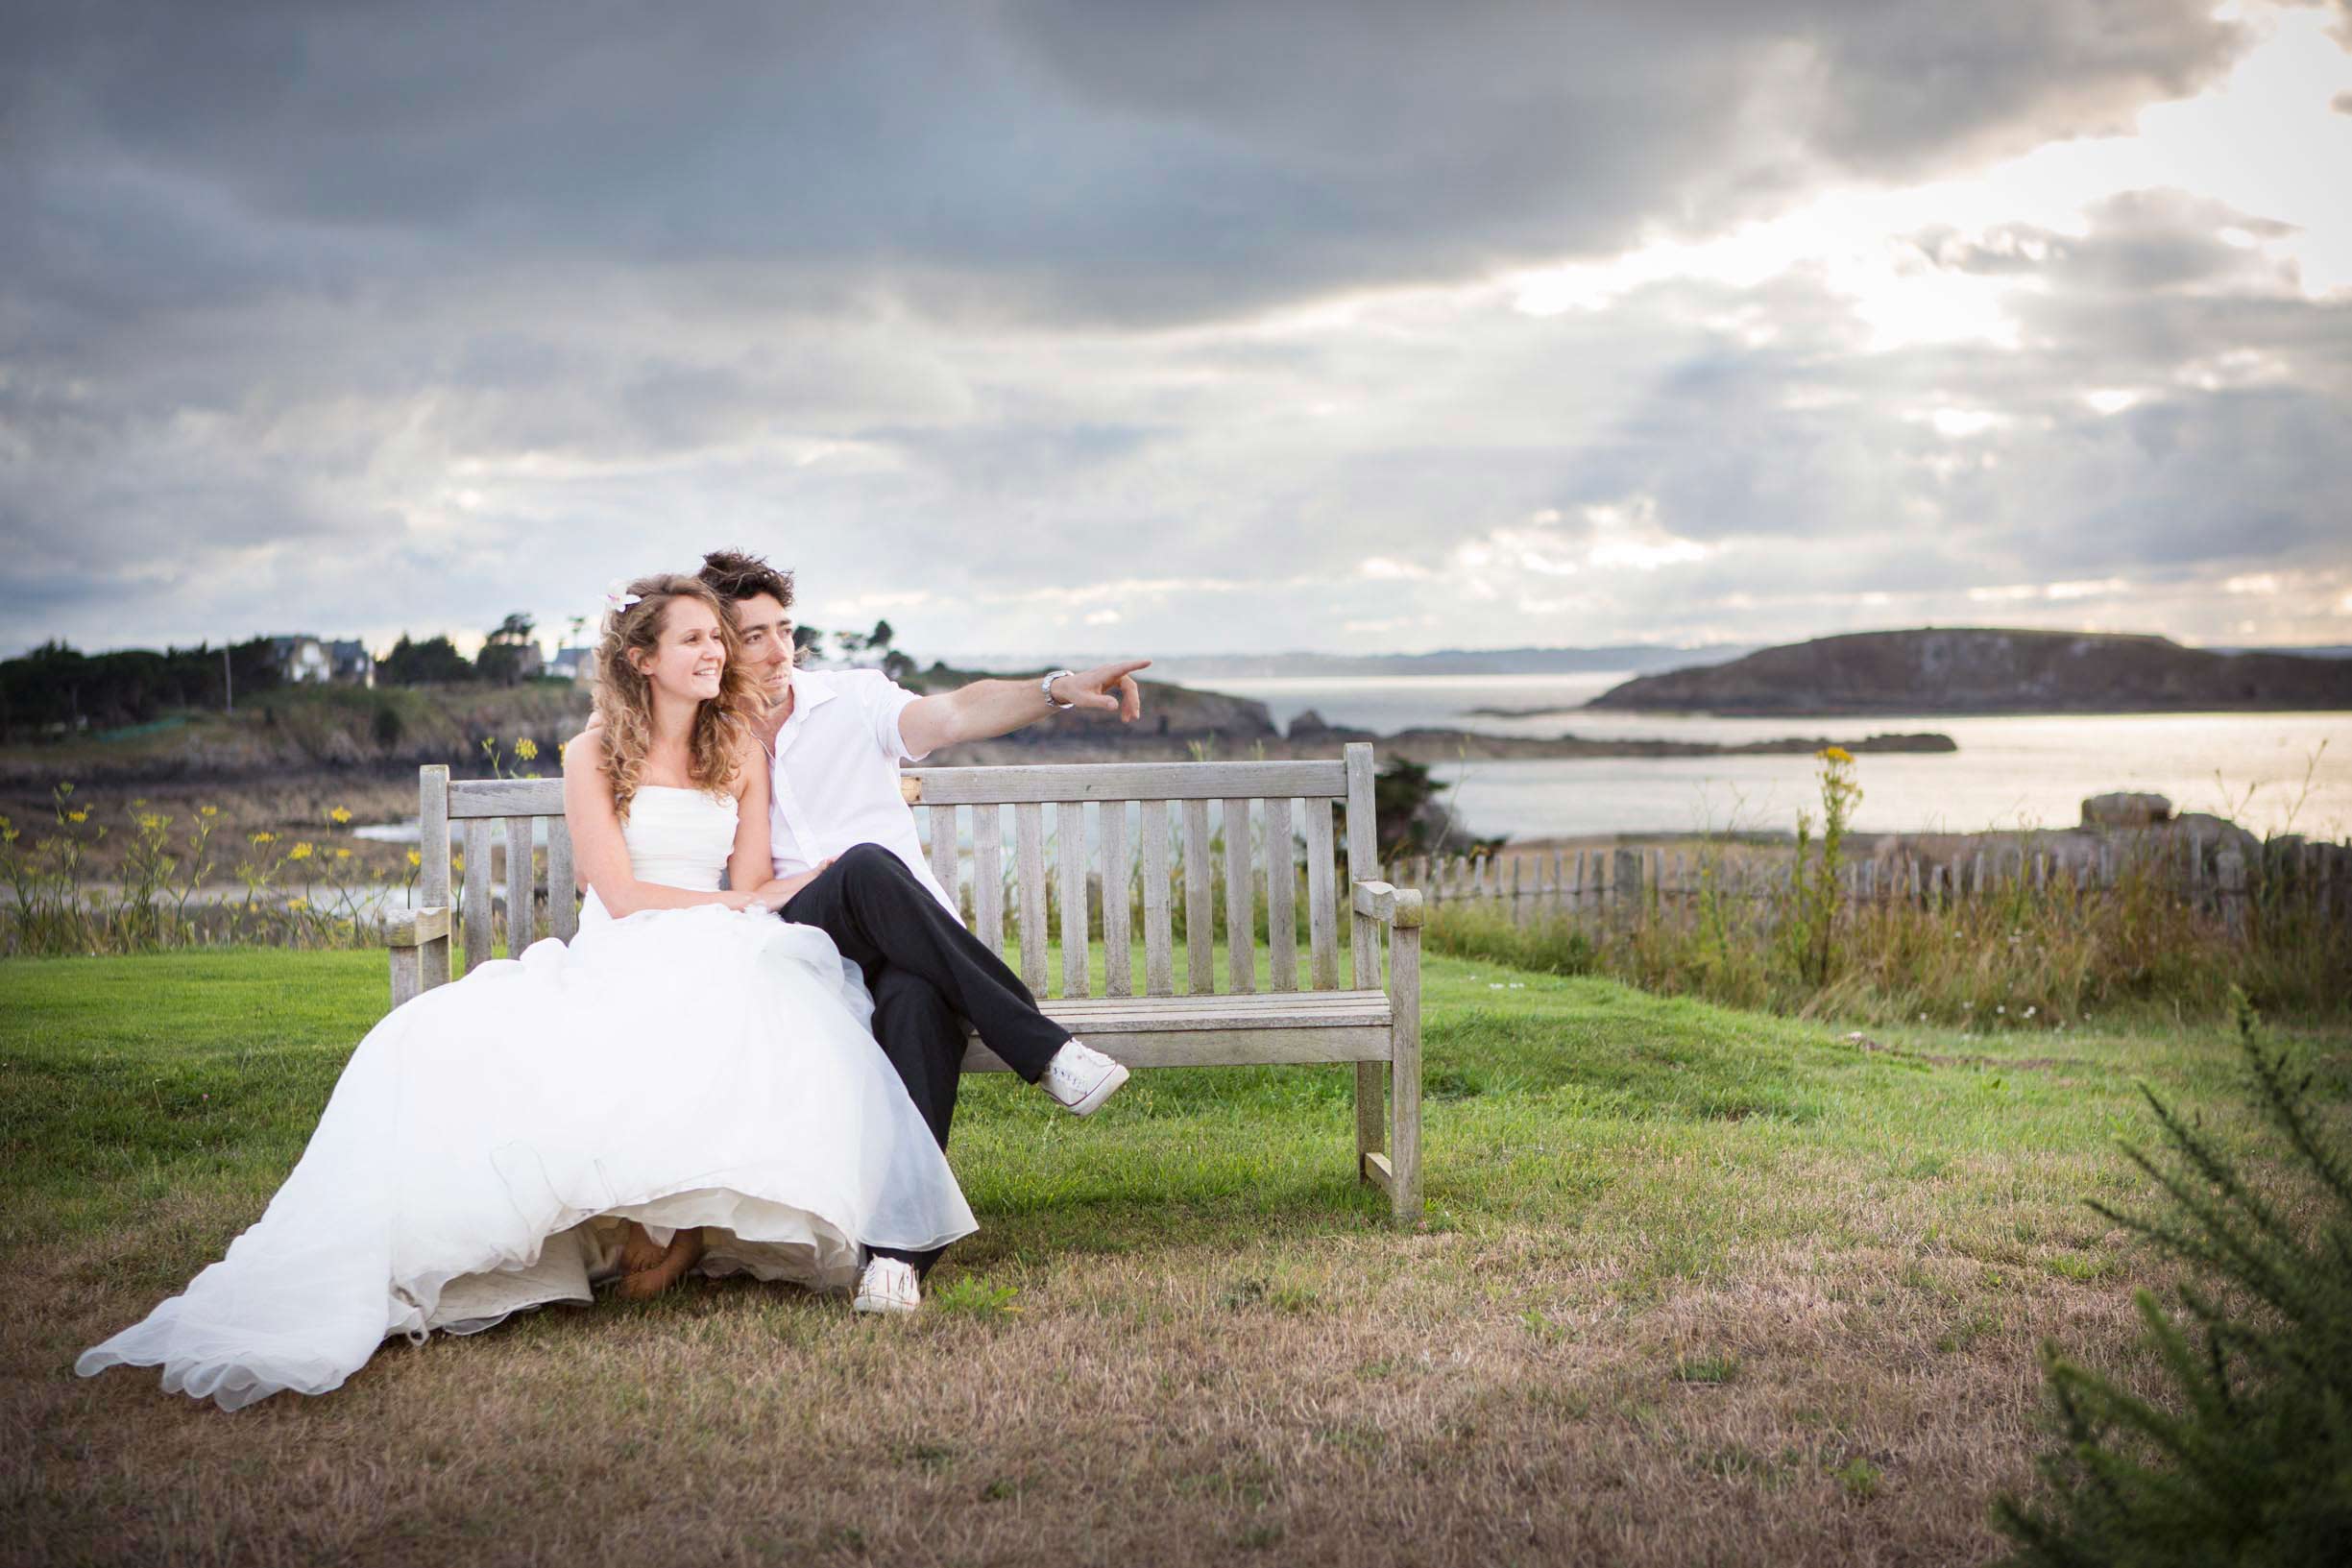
(1625, 884)
(2230, 865)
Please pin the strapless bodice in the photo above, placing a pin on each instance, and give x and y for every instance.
(679, 837)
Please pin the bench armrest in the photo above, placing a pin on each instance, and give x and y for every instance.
(414, 928)
(1392, 906)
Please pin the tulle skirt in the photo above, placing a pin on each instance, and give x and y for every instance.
(686, 1068)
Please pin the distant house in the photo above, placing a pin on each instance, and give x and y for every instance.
(353, 664)
(301, 659)
(573, 664)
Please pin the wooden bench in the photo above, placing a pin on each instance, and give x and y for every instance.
(1265, 811)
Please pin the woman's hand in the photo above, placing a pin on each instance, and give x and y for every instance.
(775, 894)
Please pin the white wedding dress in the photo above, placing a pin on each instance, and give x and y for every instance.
(679, 1067)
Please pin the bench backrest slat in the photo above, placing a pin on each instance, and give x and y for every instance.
(1158, 920)
(521, 895)
(941, 820)
(1070, 836)
(1029, 873)
(505, 798)
(1117, 960)
(433, 837)
(1322, 897)
(563, 899)
(1131, 782)
(1282, 895)
(478, 919)
(1363, 861)
(988, 876)
(1241, 902)
(1200, 912)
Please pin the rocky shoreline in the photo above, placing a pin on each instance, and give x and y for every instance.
(354, 734)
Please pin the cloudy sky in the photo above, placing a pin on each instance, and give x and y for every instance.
(1216, 327)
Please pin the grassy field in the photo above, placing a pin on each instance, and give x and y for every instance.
(1695, 1285)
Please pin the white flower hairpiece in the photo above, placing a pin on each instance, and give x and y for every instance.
(617, 595)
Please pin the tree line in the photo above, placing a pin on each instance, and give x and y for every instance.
(57, 690)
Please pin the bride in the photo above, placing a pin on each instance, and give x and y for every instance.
(692, 1082)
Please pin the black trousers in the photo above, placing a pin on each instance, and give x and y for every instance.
(928, 974)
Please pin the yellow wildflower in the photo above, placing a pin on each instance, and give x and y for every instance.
(1836, 754)
(415, 858)
(300, 852)
(340, 815)
(207, 810)
(298, 903)
(151, 822)
(265, 837)
(526, 748)
(77, 816)
(343, 855)
(457, 863)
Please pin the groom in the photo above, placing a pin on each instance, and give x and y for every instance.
(840, 830)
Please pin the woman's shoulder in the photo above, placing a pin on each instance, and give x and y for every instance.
(587, 748)
(751, 761)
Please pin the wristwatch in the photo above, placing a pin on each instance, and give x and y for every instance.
(1046, 685)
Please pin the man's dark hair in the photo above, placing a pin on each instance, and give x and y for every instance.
(738, 575)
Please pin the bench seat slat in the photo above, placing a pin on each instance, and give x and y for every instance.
(1366, 1046)
(1206, 1031)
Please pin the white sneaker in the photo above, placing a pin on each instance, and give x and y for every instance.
(1080, 1078)
(889, 1285)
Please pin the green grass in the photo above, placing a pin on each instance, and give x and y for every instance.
(1783, 1285)
(1576, 1104)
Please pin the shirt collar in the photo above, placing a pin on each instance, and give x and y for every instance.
(809, 689)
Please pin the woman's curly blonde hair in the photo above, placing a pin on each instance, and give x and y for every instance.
(624, 696)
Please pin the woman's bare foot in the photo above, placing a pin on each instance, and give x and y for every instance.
(685, 1250)
(639, 1250)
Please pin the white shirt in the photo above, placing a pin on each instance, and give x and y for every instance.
(835, 778)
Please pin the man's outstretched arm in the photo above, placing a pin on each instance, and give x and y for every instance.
(993, 708)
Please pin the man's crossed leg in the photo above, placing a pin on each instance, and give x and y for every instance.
(929, 975)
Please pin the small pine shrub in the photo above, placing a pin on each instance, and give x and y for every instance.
(2247, 1455)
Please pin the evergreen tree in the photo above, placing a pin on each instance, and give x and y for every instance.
(2248, 1459)
(433, 662)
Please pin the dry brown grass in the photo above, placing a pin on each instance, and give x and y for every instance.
(1353, 1397)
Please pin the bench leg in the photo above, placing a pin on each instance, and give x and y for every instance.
(408, 974)
(1372, 1115)
(1405, 1074)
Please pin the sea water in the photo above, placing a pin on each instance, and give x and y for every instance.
(2274, 772)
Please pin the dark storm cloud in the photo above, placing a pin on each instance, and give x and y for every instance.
(1136, 160)
(341, 305)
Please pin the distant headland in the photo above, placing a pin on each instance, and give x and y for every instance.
(1991, 670)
